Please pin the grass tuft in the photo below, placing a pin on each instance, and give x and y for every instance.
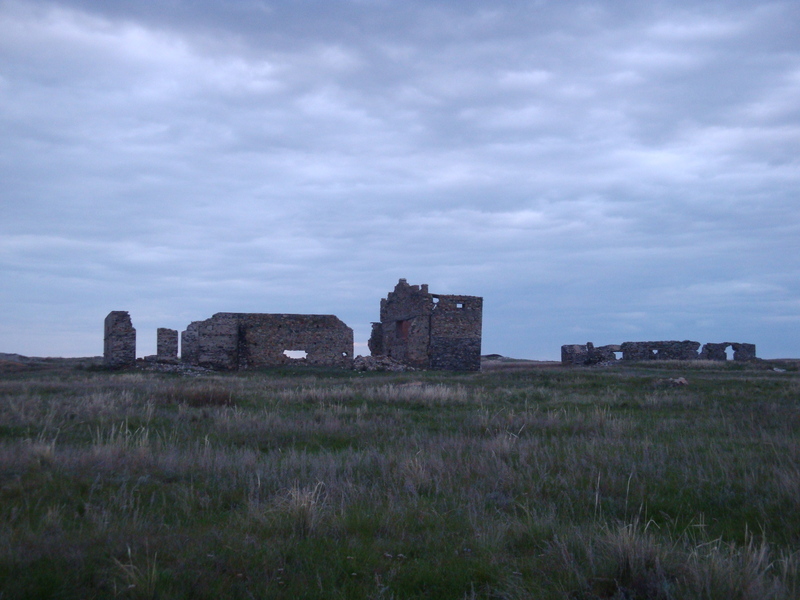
(534, 481)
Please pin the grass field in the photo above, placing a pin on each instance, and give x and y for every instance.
(517, 482)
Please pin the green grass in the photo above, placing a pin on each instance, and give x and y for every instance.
(300, 483)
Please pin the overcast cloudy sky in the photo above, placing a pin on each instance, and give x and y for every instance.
(598, 171)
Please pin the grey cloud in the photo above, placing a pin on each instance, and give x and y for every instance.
(579, 163)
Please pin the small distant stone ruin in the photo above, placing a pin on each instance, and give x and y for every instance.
(119, 340)
(429, 331)
(588, 354)
(717, 351)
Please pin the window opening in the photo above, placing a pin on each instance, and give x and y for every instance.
(295, 354)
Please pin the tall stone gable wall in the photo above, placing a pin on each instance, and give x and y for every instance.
(429, 331)
(119, 340)
(250, 340)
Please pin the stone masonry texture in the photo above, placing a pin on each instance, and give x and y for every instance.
(579, 354)
(429, 331)
(119, 340)
(671, 350)
(232, 341)
(166, 343)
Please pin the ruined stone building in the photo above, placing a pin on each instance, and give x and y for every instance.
(416, 328)
(429, 331)
(234, 341)
(588, 354)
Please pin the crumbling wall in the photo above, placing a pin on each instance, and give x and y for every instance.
(375, 342)
(233, 341)
(212, 343)
(429, 331)
(670, 350)
(405, 324)
(190, 344)
(119, 340)
(741, 352)
(579, 354)
(744, 351)
(166, 344)
(455, 333)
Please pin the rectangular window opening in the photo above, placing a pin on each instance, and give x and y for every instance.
(295, 354)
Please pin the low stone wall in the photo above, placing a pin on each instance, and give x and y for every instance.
(587, 354)
(671, 350)
(718, 351)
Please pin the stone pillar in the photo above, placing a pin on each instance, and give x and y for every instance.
(119, 341)
(375, 343)
(189, 344)
(167, 343)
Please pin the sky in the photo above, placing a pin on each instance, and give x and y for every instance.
(601, 171)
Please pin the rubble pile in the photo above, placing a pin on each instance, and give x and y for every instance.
(379, 363)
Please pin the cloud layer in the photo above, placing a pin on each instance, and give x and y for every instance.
(597, 171)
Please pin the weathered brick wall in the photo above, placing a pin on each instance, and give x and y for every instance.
(250, 340)
(429, 331)
(119, 340)
(166, 343)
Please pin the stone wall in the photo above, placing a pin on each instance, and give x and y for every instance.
(119, 340)
(250, 340)
(166, 343)
(671, 350)
(718, 351)
(429, 331)
(578, 354)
